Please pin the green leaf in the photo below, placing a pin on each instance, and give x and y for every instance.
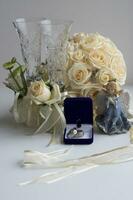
(13, 60)
(23, 68)
(8, 65)
(17, 71)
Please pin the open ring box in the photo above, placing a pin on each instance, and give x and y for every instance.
(78, 112)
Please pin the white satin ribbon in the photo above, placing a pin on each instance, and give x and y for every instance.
(53, 120)
(38, 159)
(74, 166)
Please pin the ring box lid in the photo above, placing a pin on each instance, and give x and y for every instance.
(76, 108)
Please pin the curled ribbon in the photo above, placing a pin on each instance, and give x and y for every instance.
(73, 166)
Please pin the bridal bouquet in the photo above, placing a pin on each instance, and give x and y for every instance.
(93, 60)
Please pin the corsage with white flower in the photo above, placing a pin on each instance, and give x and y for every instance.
(37, 103)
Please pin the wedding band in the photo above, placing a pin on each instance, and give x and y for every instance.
(72, 133)
(75, 133)
(80, 133)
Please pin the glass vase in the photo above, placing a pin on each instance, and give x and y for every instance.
(29, 32)
(44, 41)
(55, 37)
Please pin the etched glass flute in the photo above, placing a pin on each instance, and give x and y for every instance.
(55, 35)
(29, 32)
(44, 40)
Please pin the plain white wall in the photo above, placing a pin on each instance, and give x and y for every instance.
(112, 18)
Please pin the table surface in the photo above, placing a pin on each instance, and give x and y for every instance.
(113, 182)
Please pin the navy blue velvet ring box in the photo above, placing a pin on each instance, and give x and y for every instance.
(78, 112)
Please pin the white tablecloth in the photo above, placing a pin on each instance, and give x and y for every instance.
(113, 182)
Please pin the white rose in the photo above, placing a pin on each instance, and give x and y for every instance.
(92, 41)
(109, 47)
(77, 37)
(39, 92)
(71, 47)
(118, 67)
(103, 76)
(79, 74)
(77, 55)
(99, 58)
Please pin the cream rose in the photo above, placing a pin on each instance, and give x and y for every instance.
(97, 52)
(78, 37)
(118, 67)
(39, 92)
(71, 47)
(99, 58)
(79, 74)
(92, 41)
(109, 47)
(77, 55)
(103, 76)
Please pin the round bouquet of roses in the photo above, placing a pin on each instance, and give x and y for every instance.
(93, 61)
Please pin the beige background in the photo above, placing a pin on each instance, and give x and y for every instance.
(112, 18)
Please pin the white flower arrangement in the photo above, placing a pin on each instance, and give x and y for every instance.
(95, 68)
(37, 102)
(93, 59)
